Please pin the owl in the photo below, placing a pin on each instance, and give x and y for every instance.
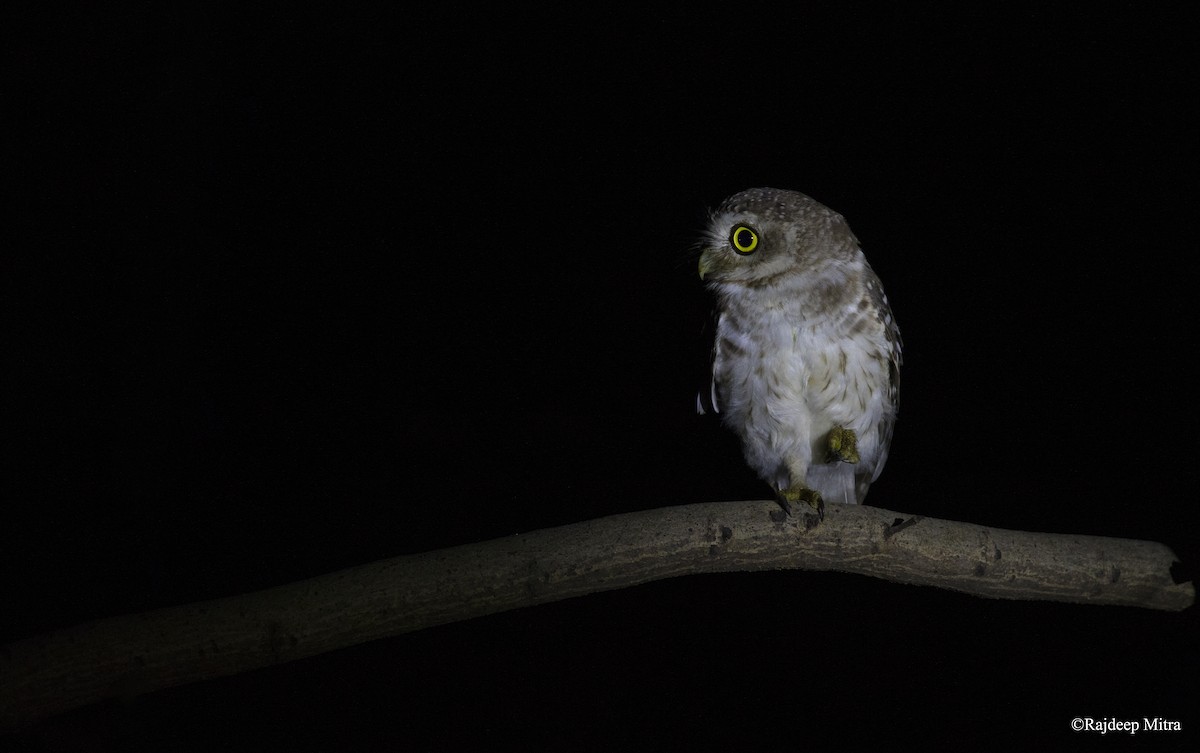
(806, 358)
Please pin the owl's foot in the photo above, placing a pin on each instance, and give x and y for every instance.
(843, 446)
(792, 499)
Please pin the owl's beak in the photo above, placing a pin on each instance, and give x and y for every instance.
(706, 263)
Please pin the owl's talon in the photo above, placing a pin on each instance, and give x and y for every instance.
(842, 446)
(791, 497)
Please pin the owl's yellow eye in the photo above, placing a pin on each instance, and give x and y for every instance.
(744, 239)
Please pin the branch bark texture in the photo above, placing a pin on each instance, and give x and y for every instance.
(133, 654)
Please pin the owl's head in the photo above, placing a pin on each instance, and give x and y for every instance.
(761, 234)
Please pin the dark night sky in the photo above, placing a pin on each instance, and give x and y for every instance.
(291, 291)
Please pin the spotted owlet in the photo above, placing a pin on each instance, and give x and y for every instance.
(806, 361)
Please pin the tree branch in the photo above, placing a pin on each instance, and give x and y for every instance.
(48, 674)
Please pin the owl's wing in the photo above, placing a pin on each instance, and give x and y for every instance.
(866, 475)
(706, 396)
(887, 423)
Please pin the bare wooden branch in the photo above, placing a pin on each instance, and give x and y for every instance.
(139, 653)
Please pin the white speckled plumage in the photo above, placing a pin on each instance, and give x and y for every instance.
(805, 342)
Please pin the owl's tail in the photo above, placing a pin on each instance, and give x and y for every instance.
(836, 482)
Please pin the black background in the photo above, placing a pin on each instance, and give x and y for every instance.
(291, 290)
